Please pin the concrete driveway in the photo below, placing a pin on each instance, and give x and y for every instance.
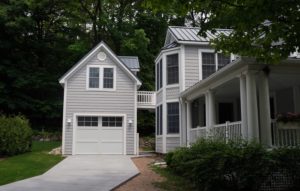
(80, 173)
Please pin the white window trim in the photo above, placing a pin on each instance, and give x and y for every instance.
(179, 60)
(172, 134)
(101, 78)
(157, 69)
(200, 51)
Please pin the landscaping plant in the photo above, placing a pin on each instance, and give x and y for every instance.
(214, 165)
(15, 135)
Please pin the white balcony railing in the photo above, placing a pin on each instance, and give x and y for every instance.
(146, 99)
(285, 137)
(226, 131)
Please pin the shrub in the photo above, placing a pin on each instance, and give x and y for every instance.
(216, 165)
(46, 135)
(15, 135)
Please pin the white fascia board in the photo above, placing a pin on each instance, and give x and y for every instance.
(164, 51)
(193, 43)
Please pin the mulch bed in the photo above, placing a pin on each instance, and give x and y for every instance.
(144, 181)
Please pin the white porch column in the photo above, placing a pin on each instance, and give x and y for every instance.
(211, 109)
(264, 110)
(243, 98)
(189, 121)
(252, 111)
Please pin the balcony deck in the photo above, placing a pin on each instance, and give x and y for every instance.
(146, 100)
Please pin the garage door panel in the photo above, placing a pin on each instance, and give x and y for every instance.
(90, 147)
(112, 148)
(112, 134)
(87, 134)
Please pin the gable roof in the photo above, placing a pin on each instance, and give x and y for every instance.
(82, 61)
(132, 62)
(189, 35)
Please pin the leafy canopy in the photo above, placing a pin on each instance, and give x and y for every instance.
(268, 30)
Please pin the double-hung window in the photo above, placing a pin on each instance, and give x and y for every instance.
(208, 64)
(211, 62)
(173, 118)
(108, 78)
(159, 75)
(94, 77)
(101, 78)
(159, 119)
(172, 69)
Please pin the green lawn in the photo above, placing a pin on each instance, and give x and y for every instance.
(29, 164)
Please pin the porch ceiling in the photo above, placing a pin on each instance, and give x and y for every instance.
(229, 89)
(279, 81)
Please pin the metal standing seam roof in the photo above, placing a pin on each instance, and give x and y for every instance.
(132, 62)
(191, 34)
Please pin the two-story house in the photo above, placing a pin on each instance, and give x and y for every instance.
(204, 93)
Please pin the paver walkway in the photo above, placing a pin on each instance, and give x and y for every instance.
(80, 173)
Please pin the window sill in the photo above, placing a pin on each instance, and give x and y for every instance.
(173, 135)
(101, 89)
(159, 91)
(172, 86)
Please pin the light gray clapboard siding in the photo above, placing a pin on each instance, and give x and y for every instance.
(159, 97)
(172, 143)
(172, 93)
(80, 100)
(192, 64)
(158, 145)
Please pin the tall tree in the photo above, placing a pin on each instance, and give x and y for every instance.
(265, 29)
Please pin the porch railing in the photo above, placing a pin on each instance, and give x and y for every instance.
(284, 137)
(196, 133)
(146, 99)
(226, 131)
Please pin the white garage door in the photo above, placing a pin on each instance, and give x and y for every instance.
(99, 135)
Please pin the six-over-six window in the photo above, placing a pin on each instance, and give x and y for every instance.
(101, 78)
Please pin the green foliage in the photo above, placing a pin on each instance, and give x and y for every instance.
(41, 39)
(29, 164)
(215, 165)
(15, 135)
(265, 29)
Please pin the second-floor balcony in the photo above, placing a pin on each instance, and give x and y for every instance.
(146, 99)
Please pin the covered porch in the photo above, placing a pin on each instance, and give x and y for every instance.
(241, 101)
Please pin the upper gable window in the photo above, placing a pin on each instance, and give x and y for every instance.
(101, 78)
(94, 77)
(211, 62)
(172, 69)
(108, 78)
